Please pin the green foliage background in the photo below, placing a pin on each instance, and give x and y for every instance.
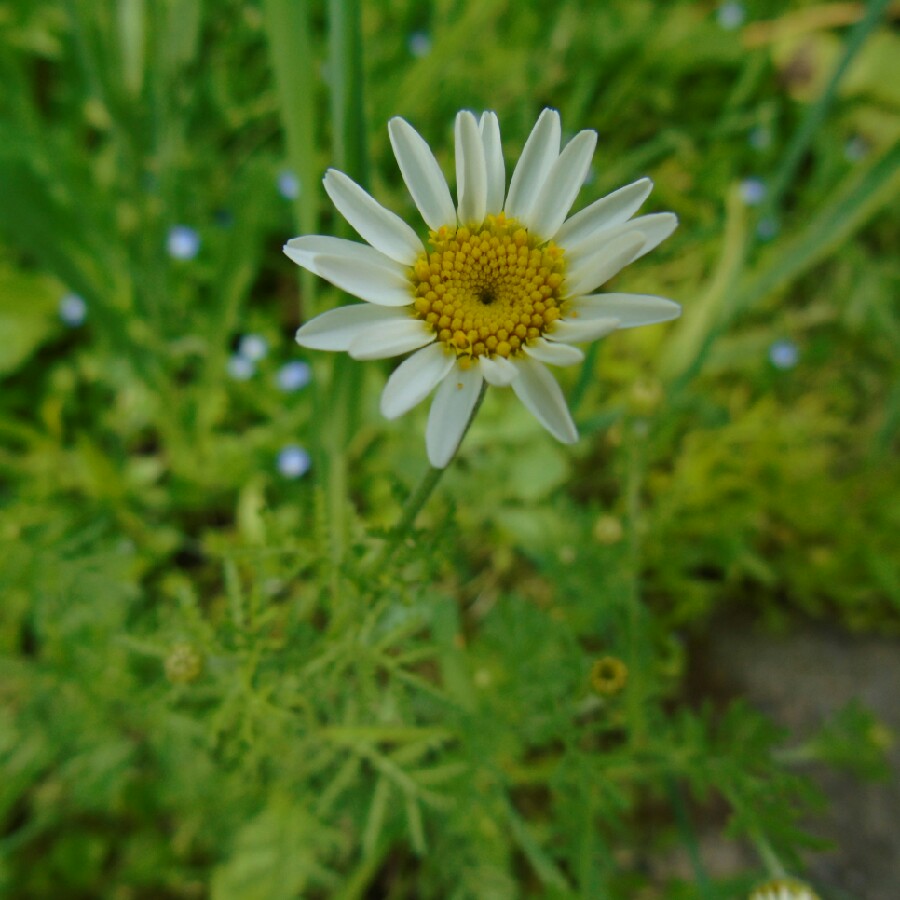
(206, 687)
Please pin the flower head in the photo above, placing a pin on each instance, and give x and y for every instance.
(294, 375)
(784, 889)
(783, 354)
(293, 461)
(253, 347)
(730, 15)
(184, 664)
(504, 286)
(73, 310)
(183, 242)
(240, 368)
(609, 675)
(288, 184)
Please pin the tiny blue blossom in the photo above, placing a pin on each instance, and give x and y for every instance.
(767, 228)
(288, 184)
(760, 138)
(184, 242)
(753, 191)
(294, 375)
(419, 44)
(293, 461)
(783, 354)
(253, 347)
(240, 368)
(730, 15)
(72, 310)
(855, 149)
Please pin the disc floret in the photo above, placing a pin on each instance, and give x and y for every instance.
(490, 289)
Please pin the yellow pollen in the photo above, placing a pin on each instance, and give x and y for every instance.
(490, 289)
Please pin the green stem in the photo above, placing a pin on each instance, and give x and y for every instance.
(290, 47)
(349, 155)
(346, 75)
(690, 838)
(637, 632)
(418, 498)
(768, 856)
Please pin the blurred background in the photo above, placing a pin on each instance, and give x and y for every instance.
(173, 674)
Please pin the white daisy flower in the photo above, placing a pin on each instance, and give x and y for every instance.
(784, 889)
(505, 285)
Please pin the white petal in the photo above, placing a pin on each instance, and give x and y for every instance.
(422, 174)
(655, 227)
(630, 309)
(392, 337)
(450, 411)
(414, 379)
(493, 156)
(540, 393)
(384, 230)
(563, 183)
(586, 274)
(471, 170)
(303, 250)
(538, 155)
(615, 208)
(337, 328)
(555, 354)
(582, 331)
(497, 370)
(366, 280)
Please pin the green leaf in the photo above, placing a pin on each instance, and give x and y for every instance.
(28, 304)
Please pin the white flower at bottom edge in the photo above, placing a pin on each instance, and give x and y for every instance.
(505, 285)
(784, 889)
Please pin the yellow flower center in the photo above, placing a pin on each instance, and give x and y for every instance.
(489, 290)
(609, 675)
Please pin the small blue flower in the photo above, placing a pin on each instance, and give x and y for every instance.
(753, 191)
(293, 461)
(730, 15)
(240, 368)
(419, 44)
(288, 185)
(184, 242)
(294, 375)
(783, 354)
(855, 149)
(72, 310)
(253, 347)
(767, 228)
(760, 138)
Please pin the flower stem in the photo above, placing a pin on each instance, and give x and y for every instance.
(418, 498)
(767, 854)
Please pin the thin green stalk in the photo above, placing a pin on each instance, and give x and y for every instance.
(767, 854)
(688, 836)
(346, 75)
(349, 155)
(290, 47)
(585, 377)
(636, 619)
(417, 500)
(816, 113)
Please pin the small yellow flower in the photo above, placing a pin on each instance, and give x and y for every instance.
(183, 664)
(784, 889)
(645, 396)
(608, 530)
(609, 675)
